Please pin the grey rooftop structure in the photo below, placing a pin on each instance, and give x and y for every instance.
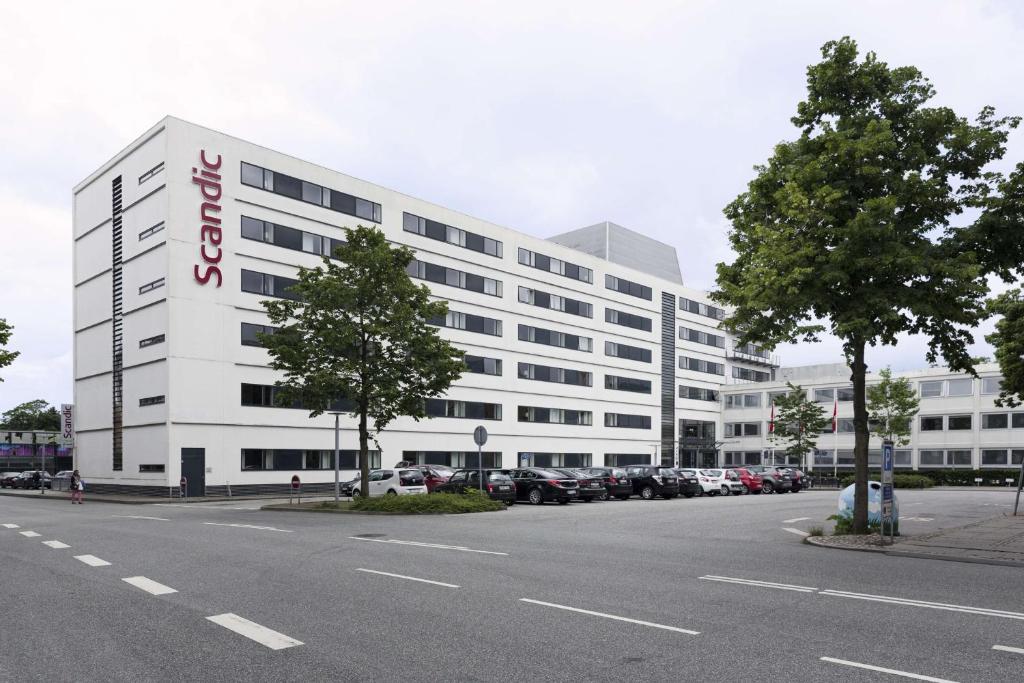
(623, 246)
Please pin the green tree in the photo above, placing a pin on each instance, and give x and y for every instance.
(892, 405)
(355, 337)
(35, 415)
(847, 228)
(798, 423)
(1008, 340)
(6, 356)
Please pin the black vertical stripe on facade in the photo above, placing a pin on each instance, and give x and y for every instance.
(117, 316)
(668, 379)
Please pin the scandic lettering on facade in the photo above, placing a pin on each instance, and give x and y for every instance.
(649, 380)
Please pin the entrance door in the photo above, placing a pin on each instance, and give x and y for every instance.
(688, 458)
(193, 468)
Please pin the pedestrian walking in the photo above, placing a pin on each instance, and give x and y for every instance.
(77, 488)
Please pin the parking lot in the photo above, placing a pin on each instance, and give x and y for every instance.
(710, 588)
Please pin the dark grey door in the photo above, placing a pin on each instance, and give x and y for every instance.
(193, 468)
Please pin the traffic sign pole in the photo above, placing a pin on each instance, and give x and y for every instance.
(887, 493)
(480, 438)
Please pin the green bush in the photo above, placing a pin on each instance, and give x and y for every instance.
(471, 501)
(899, 481)
(942, 477)
(844, 526)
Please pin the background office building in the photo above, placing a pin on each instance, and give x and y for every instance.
(584, 349)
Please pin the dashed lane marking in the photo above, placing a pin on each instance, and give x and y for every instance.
(871, 667)
(419, 544)
(149, 585)
(11, 526)
(56, 545)
(760, 584)
(157, 519)
(798, 532)
(966, 609)
(1007, 648)
(250, 526)
(250, 629)
(917, 519)
(794, 520)
(92, 560)
(408, 578)
(29, 534)
(611, 616)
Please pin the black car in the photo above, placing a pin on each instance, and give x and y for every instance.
(27, 480)
(653, 480)
(688, 484)
(538, 485)
(498, 484)
(591, 488)
(616, 485)
(7, 479)
(347, 487)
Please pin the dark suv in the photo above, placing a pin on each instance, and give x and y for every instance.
(773, 479)
(616, 485)
(497, 483)
(653, 480)
(538, 486)
(688, 484)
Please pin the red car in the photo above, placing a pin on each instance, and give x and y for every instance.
(752, 481)
(435, 475)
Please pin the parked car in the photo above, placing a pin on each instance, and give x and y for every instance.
(394, 482)
(707, 486)
(62, 480)
(7, 479)
(27, 480)
(538, 485)
(689, 483)
(348, 487)
(653, 480)
(498, 484)
(591, 488)
(773, 479)
(616, 485)
(800, 480)
(751, 481)
(731, 484)
(435, 475)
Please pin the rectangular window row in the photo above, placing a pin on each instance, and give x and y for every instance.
(743, 400)
(625, 421)
(555, 302)
(945, 458)
(637, 322)
(844, 394)
(701, 365)
(1001, 457)
(441, 407)
(752, 350)
(543, 460)
(539, 335)
(844, 425)
(150, 231)
(963, 386)
(698, 393)
(740, 458)
(468, 322)
(151, 401)
(451, 235)
(624, 459)
(934, 423)
(554, 416)
(1002, 421)
(544, 373)
(151, 172)
(311, 193)
(150, 286)
(289, 238)
(267, 396)
(455, 459)
(251, 332)
(751, 375)
(268, 285)
(258, 459)
(701, 337)
(639, 386)
(699, 308)
(734, 429)
(622, 286)
(454, 278)
(616, 350)
(482, 366)
(844, 458)
(557, 266)
(150, 341)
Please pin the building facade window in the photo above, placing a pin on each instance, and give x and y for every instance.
(454, 278)
(450, 234)
(150, 341)
(701, 365)
(268, 285)
(1002, 457)
(263, 459)
(441, 407)
(454, 459)
(626, 421)
(708, 311)
(743, 400)
(932, 389)
(469, 322)
(618, 383)
(751, 375)
(555, 302)
(697, 430)
(543, 460)
(741, 458)
(637, 322)
(289, 238)
(701, 337)
(960, 457)
(698, 393)
(557, 266)
(311, 193)
(958, 422)
(624, 459)
(960, 387)
(151, 401)
(251, 332)
(539, 335)
(151, 172)
(991, 385)
(616, 350)
(995, 421)
(150, 231)
(623, 286)
(268, 396)
(482, 365)
(735, 429)
(554, 416)
(544, 373)
(931, 423)
(150, 286)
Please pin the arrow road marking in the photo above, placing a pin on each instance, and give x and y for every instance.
(794, 520)
(249, 526)
(427, 545)
(922, 603)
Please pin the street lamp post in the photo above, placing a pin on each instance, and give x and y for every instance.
(337, 458)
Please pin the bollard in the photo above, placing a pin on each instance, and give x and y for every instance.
(183, 489)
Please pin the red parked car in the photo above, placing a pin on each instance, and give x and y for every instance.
(749, 479)
(435, 475)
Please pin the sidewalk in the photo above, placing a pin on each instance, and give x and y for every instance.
(999, 540)
(65, 496)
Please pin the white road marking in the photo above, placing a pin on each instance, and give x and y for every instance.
(410, 578)
(149, 585)
(922, 603)
(56, 545)
(761, 584)
(28, 534)
(11, 526)
(92, 560)
(611, 616)
(794, 520)
(870, 667)
(917, 519)
(158, 519)
(253, 631)
(200, 506)
(250, 526)
(798, 532)
(427, 545)
(1007, 648)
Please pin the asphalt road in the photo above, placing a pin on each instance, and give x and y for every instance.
(664, 588)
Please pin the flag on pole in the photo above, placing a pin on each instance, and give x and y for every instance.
(835, 413)
(771, 423)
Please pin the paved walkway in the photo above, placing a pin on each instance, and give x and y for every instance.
(999, 540)
(34, 494)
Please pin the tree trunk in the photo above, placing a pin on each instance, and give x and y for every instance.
(860, 443)
(364, 459)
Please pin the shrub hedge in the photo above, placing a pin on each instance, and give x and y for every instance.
(471, 501)
(949, 477)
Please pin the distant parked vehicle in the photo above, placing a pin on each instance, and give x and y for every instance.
(773, 479)
(537, 486)
(395, 482)
(27, 480)
(616, 485)
(347, 488)
(689, 483)
(751, 482)
(591, 487)
(7, 479)
(708, 487)
(727, 480)
(435, 475)
(498, 484)
(800, 480)
(62, 480)
(652, 480)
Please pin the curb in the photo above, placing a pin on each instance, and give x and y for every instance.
(292, 508)
(813, 540)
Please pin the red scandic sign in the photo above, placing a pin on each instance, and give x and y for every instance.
(295, 481)
(209, 182)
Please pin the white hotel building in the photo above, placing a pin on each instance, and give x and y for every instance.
(584, 349)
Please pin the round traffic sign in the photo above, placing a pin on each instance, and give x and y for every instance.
(295, 481)
(480, 436)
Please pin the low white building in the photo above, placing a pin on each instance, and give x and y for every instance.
(585, 349)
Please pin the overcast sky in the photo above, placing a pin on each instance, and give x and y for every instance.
(540, 116)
